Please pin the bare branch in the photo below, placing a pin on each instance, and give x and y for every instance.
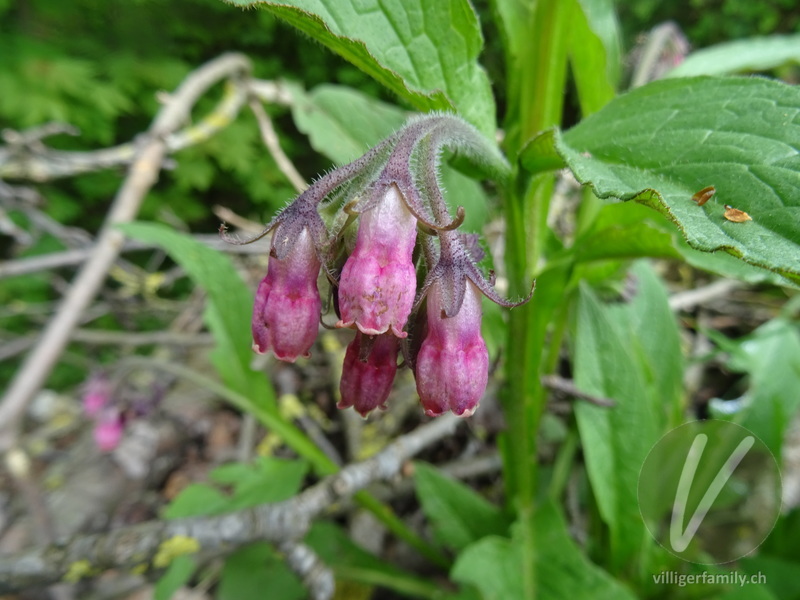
(689, 299)
(568, 387)
(280, 523)
(317, 577)
(270, 139)
(66, 258)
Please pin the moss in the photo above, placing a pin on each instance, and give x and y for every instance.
(174, 547)
(78, 570)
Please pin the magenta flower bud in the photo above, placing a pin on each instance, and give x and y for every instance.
(378, 282)
(452, 366)
(287, 305)
(108, 430)
(96, 394)
(365, 384)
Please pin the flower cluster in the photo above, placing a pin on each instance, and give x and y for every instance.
(393, 192)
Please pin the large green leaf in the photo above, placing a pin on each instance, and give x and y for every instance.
(494, 566)
(631, 353)
(426, 52)
(754, 54)
(662, 142)
(342, 123)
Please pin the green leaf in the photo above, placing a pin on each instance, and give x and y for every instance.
(256, 572)
(563, 571)
(350, 562)
(594, 50)
(626, 231)
(612, 360)
(652, 330)
(771, 356)
(267, 480)
(178, 573)
(494, 565)
(662, 142)
(753, 54)
(229, 307)
(728, 265)
(621, 231)
(780, 575)
(458, 515)
(341, 122)
(425, 52)
(195, 500)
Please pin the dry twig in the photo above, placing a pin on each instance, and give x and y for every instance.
(270, 139)
(568, 387)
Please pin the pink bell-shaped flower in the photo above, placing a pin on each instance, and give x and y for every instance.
(368, 373)
(452, 367)
(287, 305)
(379, 281)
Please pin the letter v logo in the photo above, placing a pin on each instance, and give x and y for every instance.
(680, 538)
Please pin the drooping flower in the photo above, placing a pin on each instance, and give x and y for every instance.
(287, 306)
(368, 372)
(378, 282)
(452, 367)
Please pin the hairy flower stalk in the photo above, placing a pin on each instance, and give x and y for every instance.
(287, 305)
(368, 372)
(379, 282)
(394, 193)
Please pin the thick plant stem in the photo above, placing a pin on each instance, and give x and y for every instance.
(540, 100)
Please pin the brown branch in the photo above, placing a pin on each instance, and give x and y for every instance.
(567, 387)
(141, 177)
(280, 523)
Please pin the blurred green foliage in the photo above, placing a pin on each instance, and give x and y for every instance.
(98, 65)
(707, 22)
